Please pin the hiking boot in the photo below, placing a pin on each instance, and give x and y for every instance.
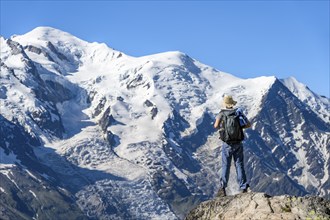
(221, 192)
(246, 190)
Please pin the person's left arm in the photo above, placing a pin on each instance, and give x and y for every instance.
(247, 121)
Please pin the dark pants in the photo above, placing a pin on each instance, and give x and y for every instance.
(235, 151)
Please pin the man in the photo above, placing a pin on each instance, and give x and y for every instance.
(230, 122)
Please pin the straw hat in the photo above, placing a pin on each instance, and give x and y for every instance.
(228, 101)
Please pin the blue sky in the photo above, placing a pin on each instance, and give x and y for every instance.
(244, 38)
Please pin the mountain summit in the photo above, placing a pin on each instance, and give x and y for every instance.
(108, 135)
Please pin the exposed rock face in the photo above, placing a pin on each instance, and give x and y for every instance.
(270, 145)
(33, 193)
(262, 206)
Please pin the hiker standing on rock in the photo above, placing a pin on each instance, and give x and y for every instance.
(230, 121)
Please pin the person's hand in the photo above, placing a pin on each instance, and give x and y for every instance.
(247, 126)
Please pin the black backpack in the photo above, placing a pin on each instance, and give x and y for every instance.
(230, 129)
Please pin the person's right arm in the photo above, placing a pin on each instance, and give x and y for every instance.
(217, 121)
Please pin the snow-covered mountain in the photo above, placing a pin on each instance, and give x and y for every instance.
(319, 104)
(111, 136)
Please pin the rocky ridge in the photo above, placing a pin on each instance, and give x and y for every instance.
(261, 206)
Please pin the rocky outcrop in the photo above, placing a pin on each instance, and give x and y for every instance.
(105, 122)
(106, 119)
(37, 50)
(261, 206)
(154, 109)
(55, 51)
